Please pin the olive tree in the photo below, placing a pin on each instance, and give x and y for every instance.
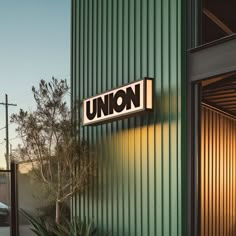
(59, 159)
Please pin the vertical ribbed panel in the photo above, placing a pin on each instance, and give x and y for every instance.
(218, 168)
(137, 190)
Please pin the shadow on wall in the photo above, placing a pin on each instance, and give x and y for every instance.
(125, 169)
(138, 158)
(165, 107)
(232, 230)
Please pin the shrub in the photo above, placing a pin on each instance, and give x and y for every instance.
(41, 227)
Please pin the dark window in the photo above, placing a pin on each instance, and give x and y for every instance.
(218, 19)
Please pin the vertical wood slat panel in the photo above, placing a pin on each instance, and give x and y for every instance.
(137, 190)
(218, 173)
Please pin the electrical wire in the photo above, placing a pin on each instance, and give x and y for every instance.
(9, 140)
(5, 126)
(13, 138)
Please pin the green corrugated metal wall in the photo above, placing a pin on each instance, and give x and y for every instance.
(138, 187)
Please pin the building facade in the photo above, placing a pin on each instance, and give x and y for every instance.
(150, 178)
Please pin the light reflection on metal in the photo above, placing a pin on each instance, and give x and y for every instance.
(218, 173)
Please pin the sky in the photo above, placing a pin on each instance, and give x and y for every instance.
(34, 45)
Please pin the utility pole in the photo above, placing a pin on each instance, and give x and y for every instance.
(6, 104)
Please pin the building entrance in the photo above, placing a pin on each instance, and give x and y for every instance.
(217, 167)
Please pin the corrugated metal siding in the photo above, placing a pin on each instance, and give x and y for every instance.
(218, 174)
(138, 187)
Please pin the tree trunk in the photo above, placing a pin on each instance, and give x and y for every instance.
(58, 193)
(57, 212)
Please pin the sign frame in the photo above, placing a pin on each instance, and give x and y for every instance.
(129, 114)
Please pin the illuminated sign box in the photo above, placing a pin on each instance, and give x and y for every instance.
(126, 101)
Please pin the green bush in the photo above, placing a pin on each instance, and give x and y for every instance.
(74, 227)
(48, 212)
(39, 226)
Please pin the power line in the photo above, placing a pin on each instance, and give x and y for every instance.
(5, 126)
(9, 140)
(13, 138)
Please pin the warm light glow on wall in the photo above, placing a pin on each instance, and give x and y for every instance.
(218, 174)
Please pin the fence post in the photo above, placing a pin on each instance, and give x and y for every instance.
(14, 200)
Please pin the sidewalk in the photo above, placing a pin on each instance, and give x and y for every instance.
(24, 231)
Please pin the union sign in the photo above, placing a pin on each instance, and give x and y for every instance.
(126, 101)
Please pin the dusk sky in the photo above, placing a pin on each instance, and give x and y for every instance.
(34, 45)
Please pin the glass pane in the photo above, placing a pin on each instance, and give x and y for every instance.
(4, 203)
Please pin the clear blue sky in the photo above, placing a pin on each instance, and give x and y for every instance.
(34, 45)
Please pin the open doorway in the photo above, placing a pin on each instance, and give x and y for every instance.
(217, 170)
